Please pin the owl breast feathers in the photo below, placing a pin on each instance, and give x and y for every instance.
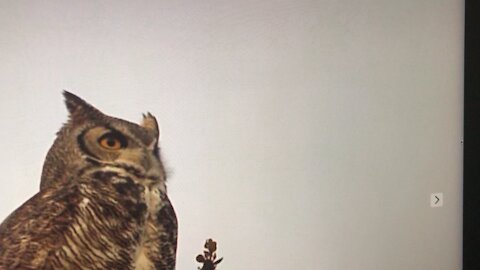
(102, 202)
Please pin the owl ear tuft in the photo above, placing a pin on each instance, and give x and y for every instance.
(150, 123)
(79, 108)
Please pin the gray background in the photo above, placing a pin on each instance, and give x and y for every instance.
(298, 134)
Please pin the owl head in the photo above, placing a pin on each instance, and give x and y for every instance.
(91, 140)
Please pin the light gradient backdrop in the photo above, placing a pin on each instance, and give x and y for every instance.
(298, 134)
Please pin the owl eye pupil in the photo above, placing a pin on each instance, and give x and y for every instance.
(111, 142)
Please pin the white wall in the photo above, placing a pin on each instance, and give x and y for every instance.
(298, 134)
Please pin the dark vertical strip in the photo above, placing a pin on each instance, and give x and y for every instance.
(471, 169)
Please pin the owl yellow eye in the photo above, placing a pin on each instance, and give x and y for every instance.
(112, 141)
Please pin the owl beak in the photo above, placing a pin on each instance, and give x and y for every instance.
(152, 146)
(154, 167)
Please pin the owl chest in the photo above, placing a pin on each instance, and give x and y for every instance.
(146, 249)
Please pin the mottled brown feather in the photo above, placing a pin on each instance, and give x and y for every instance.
(37, 234)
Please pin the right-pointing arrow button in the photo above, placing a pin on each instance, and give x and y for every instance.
(436, 199)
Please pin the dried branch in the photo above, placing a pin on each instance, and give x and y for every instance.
(209, 256)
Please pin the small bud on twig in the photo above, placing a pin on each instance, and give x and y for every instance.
(209, 256)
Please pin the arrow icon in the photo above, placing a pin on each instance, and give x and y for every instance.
(436, 200)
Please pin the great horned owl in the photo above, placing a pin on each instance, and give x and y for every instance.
(102, 202)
